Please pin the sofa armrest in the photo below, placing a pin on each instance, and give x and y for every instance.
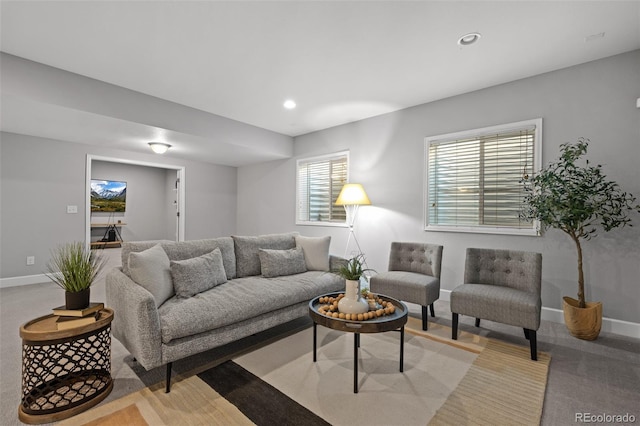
(136, 323)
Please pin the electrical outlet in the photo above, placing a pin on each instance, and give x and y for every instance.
(72, 209)
(31, 260)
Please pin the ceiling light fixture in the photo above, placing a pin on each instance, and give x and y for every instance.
(159, 147)
(289, 104)
(469, 39)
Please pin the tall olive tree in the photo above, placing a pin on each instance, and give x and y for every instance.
(576, 197)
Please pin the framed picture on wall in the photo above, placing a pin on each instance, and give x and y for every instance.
(108, 195)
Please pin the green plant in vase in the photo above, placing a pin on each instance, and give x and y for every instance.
(352, 270)
(74, 268)
(578, 199)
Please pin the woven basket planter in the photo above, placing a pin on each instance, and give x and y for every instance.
(583, 323)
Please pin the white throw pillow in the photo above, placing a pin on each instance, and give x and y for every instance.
(151, 269)
(316, 252)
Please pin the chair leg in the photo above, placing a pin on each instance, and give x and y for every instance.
(526, 333)
(534, 344)
(454, 326)
(168, 386)
(424, 318)
(433, 314)
(477, 322)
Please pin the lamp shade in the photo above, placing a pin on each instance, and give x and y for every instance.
(159, 147)
(352, 194)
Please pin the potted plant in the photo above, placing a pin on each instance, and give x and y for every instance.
(74, 268)
(577, 199)
(351, 271)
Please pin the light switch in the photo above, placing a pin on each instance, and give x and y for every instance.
(72, 209)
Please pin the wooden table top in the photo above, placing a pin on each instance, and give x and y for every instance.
(44, 328)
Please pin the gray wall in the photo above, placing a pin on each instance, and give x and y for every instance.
(595, 100)
(148, 207)
(40, 177)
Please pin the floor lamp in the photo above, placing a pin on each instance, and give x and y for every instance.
(351, 197)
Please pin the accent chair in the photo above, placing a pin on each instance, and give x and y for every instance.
(502, 286)
(413, 276)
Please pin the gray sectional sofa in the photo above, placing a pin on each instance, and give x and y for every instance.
(176, 299)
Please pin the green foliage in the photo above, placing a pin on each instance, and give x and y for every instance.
(73, 267)
(352, 269)
(108, 204)
(577, 199)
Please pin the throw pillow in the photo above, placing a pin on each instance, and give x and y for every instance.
(151, 269)
(246, 249)
(316, 252)
(193, 276)
(275, 263)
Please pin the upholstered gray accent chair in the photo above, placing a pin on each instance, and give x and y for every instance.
(502, 286)
(413, 276)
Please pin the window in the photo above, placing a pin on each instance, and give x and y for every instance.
(473, 178)
(318, 184)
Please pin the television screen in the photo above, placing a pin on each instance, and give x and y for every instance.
(108, 195)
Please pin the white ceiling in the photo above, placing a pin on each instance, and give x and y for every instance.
(340, 61)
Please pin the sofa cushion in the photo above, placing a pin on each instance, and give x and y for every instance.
(246, 250)
(186, 250)
(193, 276)
(239, 300)
(129, 247)
(152, 270)
(275, 263)
(316, 252)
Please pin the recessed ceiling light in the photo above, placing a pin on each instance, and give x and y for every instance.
(159, 147)
(469, 39)
(289, 104)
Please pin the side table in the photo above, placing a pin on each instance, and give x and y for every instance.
(393, 322)
(64, 372)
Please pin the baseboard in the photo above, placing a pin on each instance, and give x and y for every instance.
(24, 280)
(609, 325)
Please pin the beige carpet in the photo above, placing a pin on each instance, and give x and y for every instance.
(474, 380)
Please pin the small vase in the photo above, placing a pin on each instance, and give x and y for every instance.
(352, 302)
(77, 300)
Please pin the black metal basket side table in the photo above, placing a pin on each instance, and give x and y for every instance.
(64, 372)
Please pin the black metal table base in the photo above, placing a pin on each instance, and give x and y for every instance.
(356, 345)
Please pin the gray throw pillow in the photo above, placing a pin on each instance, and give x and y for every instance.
(275, 263)
(151, 269)
(316, 252)
(246, 249)
(193, 276)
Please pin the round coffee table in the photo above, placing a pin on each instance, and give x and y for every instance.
(64, 372)
(393, 322)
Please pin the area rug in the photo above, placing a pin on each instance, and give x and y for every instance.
(474, 380)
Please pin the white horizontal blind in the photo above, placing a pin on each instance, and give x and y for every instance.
(319, 182)
(476, 181)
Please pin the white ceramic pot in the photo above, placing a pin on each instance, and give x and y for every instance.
(352, 302)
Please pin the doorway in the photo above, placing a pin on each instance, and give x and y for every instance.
(169, 179)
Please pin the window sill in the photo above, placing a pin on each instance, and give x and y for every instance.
(331, 224)
(484, 230)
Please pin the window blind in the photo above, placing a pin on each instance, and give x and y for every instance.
(319, 182)
(476, 181)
